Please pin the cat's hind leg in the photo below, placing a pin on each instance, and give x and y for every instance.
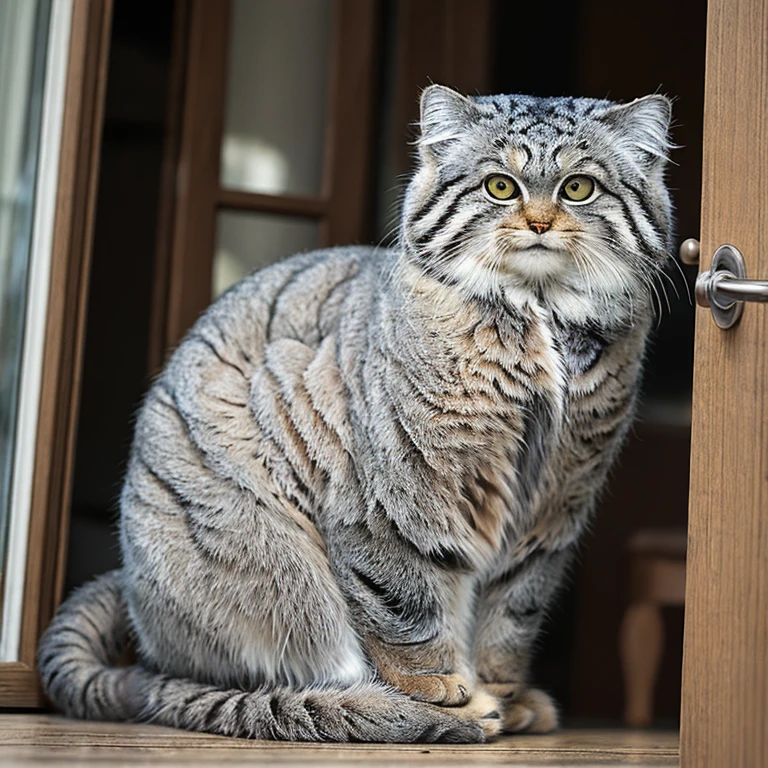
(230, 591)
(226, 580)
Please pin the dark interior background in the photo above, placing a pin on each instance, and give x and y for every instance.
(582, 48)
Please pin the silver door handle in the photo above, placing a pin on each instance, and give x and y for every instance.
(725, 287)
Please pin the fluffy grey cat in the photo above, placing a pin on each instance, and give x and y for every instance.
(355, 487)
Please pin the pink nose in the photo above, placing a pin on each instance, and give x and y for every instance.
(539, 226)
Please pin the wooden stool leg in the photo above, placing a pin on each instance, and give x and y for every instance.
(641, 641)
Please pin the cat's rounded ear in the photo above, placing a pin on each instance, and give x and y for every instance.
(445, 115)
(643, 124)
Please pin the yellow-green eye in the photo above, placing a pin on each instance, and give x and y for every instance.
(578, 188)
(502, 187)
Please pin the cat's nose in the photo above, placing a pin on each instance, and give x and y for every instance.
(539, 226)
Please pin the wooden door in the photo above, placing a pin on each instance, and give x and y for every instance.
(725, 666)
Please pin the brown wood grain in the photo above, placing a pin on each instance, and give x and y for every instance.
(42, 739)
(350, 133)
(64, 335)
(174, 112)
(19, 686)
(725, 667)
(197, 172)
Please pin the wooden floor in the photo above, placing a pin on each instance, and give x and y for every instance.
(37, 740)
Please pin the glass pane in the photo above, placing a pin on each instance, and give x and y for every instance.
(277, 87)
(23, 34)
(250, 241)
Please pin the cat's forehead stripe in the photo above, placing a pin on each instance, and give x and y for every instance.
(519, 156)
(524, 156)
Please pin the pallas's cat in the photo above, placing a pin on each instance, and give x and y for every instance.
(356, 485)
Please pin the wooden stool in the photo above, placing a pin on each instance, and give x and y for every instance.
(657, 562)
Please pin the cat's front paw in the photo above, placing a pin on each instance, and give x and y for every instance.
(477, 707)
(525, 710)
(445, 690)
(485, 710)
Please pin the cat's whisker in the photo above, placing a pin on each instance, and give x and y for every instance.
(594, 254)
(581, 266)
(652, 286)
(677, 266)
(663, 289)
(658, 271)
(662, 269)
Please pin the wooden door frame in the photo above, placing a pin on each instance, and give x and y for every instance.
(64, 337)
(724, 718)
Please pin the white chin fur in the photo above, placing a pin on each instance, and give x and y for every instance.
(537, 264)
(532, 274)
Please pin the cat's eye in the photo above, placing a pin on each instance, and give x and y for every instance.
(578, 189)
(502, 187)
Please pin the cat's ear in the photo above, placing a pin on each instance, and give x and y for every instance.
(643, 124)
(445, 114)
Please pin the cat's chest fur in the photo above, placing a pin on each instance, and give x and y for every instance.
(500, 380)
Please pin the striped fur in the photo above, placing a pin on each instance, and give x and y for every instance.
(356, 486)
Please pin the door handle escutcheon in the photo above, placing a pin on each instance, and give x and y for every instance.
(725, 287)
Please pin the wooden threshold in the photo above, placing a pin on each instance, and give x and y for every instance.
(38, 739)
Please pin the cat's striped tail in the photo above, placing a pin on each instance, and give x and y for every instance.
(78, 654)
(77, 659)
